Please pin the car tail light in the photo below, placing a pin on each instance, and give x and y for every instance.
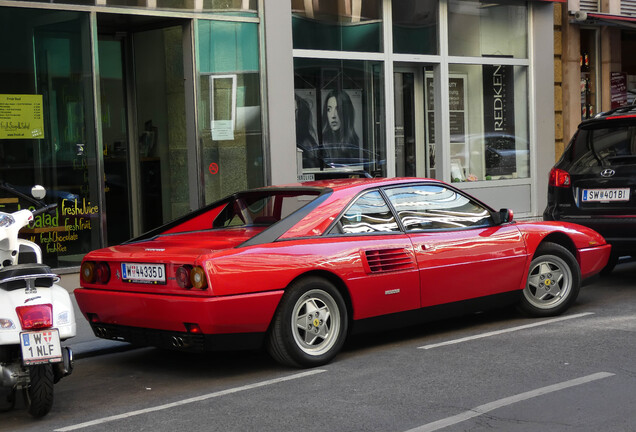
(198, 279)
(87, 272)
(95, 272)
(102, 272)
(183, 276)
(35, 317)
(559, 178)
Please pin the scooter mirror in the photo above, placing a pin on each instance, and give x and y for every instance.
(38, 192)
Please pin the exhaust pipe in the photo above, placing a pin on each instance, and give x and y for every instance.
(177, 342)
(101, 332)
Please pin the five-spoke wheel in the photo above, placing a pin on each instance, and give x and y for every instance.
(553, 281)
(310, 324)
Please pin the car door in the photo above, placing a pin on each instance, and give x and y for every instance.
(385, 279)
(461, 253)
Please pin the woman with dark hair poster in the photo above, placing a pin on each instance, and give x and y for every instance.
(339, 138)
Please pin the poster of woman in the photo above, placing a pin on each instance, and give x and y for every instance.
(342, 125)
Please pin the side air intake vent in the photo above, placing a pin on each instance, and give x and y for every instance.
(387, 260)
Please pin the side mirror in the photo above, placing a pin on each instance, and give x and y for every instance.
(38, 192)
(503, 216)
(506, 215)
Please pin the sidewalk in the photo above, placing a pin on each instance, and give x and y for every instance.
(85, 343)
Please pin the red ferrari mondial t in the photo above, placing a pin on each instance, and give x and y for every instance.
(298, 267)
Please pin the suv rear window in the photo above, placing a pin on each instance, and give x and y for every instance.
(604, 147)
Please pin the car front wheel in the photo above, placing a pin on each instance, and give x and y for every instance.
(553, 281)
(310, 325)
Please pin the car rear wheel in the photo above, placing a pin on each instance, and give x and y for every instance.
(310, 325)
(553, 281)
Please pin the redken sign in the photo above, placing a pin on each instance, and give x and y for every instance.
(499, 115)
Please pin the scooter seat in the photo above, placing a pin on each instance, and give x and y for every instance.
(16, 276)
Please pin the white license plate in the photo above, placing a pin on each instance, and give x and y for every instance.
(144, 273)
(42, 346)
(605, 195)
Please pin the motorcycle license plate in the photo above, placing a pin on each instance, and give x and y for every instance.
(42, 346)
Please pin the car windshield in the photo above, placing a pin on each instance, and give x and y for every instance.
(262, 207)
(605, 147)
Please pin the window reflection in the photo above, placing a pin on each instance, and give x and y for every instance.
(478, 29)
(368, 214)
(430, 207)
(415, 26)
(337, 25)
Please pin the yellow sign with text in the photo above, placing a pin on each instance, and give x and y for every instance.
(21, 117)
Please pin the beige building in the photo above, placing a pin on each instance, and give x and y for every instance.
(595, 68)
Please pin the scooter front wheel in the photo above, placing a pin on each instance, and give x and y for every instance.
(38, 396)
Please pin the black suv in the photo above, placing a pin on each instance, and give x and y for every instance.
(594, 182)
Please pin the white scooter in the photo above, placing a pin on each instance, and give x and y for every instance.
(36, 314)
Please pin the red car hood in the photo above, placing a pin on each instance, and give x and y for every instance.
(177, 247)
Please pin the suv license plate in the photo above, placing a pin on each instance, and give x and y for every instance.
(605, 195)
(41, 346)
(144, 273)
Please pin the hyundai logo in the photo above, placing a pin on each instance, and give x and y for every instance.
(608, 172)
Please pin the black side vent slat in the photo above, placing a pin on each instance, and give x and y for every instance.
(387, 260)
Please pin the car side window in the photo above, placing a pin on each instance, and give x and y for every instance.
(368, 214)
(434, 207)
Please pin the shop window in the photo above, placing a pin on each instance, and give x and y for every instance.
(479, 29)
(337, 25)
(589, 73)
(488, 122)
(415, 26)
(340, 118)
(229, 107)
(46, 129)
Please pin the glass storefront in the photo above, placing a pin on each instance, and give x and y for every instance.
(46, 130)
(134, 112)
(486, 114)
(116, 154)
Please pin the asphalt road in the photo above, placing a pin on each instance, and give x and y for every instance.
(497, 371)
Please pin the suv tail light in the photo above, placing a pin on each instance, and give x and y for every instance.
(35, 317)
(559, 178)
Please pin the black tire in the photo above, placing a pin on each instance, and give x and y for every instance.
(554, 281)
(38, 396)
(319, 306)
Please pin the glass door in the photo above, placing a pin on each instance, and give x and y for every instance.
(143, 124)
(414, 139)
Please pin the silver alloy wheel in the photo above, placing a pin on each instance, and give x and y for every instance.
(549, 282)
(315, 322)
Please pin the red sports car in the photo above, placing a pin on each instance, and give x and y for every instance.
(299, 267)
